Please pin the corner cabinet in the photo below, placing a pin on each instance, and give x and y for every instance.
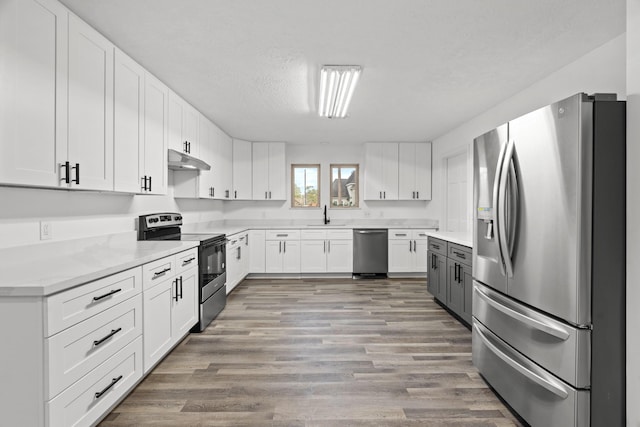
(268, 171)
(450, 276)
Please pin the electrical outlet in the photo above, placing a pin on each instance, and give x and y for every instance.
(45, 230)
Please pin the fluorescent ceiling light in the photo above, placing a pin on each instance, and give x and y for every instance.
(337, 83)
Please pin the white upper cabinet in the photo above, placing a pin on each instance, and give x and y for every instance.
(128, 124)
(381, 171)
(241, 170)
(156, 123)
(222, 167)
(414, 171)
(32, 32)
(90, 108)
(183, 126)
(268, 171)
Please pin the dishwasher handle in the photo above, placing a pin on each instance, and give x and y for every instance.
(369, 231)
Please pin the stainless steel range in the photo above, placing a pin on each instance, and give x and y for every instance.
(212, 275)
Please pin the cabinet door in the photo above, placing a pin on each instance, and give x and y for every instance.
(340, 256)
(291, 256)
(241, 170)
(33, 137)
(277, 190)
(257, 248)
(423, 171)
(128, 124)
(176, 110)
(467, 284)
(441, 263)
(260, 171)
(184, 304)
(245, 256)
(190, 128)
(226, 166)
(156, 124)
(432, 274)
(313, 256)
(205, 149)
(90, 106)
(455, 289)
(373, 171)
(400, 255)
(390, 171)
(407, 171)
(420, 256)
(157, 308)
(233, 264)
(273, 256)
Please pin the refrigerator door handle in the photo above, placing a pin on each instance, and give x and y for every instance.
(513, 202)
(534, 323)
(503, 240)
(496, 199)
(553, 387)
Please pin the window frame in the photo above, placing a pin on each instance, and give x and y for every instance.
(293, 183)
(355, 166)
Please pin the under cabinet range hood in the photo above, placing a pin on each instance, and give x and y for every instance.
(183, 161)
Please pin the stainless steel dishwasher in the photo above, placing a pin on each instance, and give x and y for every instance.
(370, 252)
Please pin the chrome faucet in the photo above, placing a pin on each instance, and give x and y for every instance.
(326, 220)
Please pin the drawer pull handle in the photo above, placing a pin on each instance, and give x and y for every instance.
(100, 341)
(106, 389)
(160, 273)
(435, 246)
(282, 235)
(187, 261)
(108, 294)
(401, 234)
(460, 254)
(422, 234)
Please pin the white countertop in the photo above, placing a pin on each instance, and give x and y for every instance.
(460, 238)
(47, 268)
(236, 226)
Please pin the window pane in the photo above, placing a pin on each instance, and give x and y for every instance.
(344, 186)
(305, 181)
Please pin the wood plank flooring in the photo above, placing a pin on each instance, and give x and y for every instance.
(319, 353)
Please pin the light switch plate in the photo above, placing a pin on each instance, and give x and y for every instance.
(45, 230)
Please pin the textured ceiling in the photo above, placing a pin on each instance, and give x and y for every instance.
(252, 66)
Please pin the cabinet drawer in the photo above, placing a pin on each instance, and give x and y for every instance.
(399, 234)
(438, 246)
(420, 234)
(313, 234)
(74, 352)
(156, 271)
(283, 235)
(459, 253)
(186, 260)
(340, 234)
(90, 397)
(75, 305)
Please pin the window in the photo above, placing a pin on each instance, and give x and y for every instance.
(344, 186)
(305, 186)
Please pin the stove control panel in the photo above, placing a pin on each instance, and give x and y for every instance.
(161, 220)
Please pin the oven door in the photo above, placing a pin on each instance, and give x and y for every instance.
(212, 267)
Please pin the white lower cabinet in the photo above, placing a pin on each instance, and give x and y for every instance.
(170, 302)
(237, 259)
(407, 251)
(257, 251)
(326, 251)
(282, 251)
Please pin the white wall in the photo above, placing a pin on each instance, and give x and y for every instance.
(602, 70)
(75, 214)
(326, 154)
(633, 211)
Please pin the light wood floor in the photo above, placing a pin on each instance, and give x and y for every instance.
(320, 353)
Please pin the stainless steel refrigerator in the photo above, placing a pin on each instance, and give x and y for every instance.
(549, 262)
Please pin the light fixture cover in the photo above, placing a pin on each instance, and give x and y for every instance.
(337, 83)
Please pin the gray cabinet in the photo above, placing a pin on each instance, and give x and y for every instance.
(449, 279)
